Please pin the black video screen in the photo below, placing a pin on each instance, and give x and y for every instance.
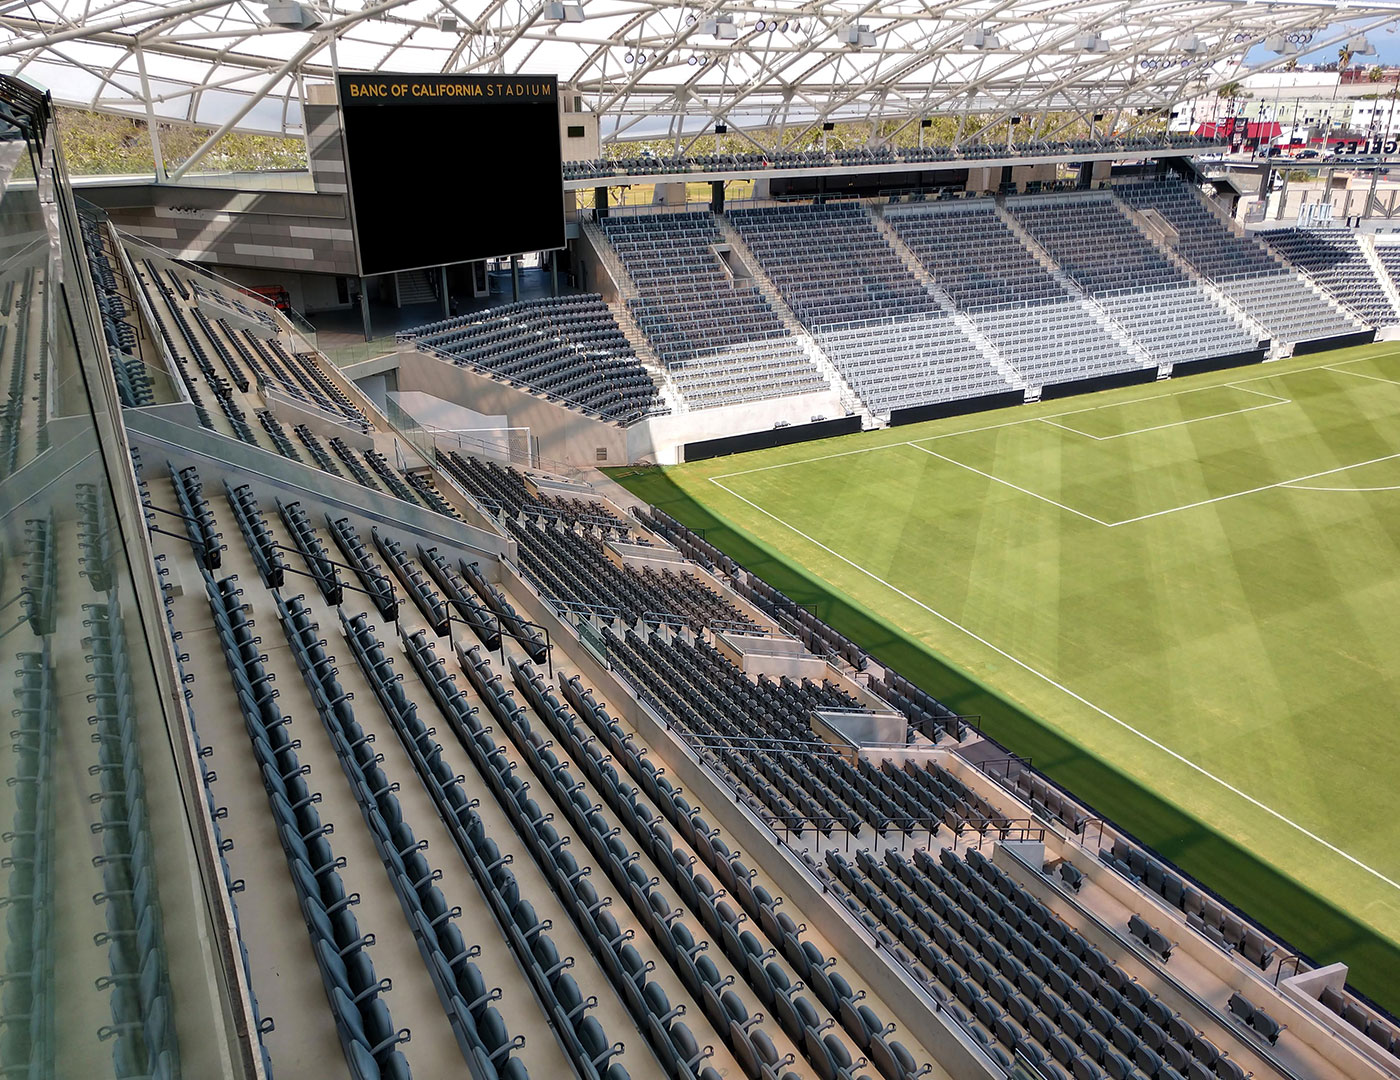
(451, 168)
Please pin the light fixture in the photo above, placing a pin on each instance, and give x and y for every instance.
(1277, 43)
(722, 27)
(293, 16)
(977, 38)
(760, 26)
(1190, 45)
(1090, 43)
(447, 23)
(561, 12)
(1361, 46)
(857, 37)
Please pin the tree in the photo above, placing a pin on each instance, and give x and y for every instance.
(1376, 73)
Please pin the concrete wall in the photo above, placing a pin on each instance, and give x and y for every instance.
(660, 438)
(568, 436)
(564, 434)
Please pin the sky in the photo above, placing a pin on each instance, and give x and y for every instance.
(1386, 40)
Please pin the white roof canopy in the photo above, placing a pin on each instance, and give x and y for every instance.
(653, 68)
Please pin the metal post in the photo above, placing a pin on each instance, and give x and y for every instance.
(364, 310)
(554, 273)
(446, 300)
(515, 278)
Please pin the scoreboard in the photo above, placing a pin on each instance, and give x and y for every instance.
(451, 168)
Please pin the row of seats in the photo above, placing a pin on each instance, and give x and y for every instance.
(224, 299)
(313, 552)
(141, 1003)
(96, 529)
(1208, 916)
(478, 1028)
(278, 435)
(26, 357)
(415, 582)
(484, 622)
(27, 1031)
(354, 991)
(371, 576)
(39, 575)
(1033, 984)
(509, 621)
(1334, 258)
(232, 887)
(739, 1027)
(1381, 1030)
(719, 337)
(150, 282)
(570, 348)
(764, 971)
(264, 549)
(1104, 252)
(133, 379)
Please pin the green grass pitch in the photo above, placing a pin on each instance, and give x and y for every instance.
(1180, 600)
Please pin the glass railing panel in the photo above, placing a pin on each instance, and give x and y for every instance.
(113, 957)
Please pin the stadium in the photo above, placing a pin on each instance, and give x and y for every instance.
(629, 539)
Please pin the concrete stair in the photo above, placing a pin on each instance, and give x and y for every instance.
(1239, 230)
(964, 322)
(415, 287)
(1154, 237)
(626, 287)
(1092, 307)
(635, 335)
(1367, 243)
(850, 400)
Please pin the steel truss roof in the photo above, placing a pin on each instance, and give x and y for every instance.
(670, 68)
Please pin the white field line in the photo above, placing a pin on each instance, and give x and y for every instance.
(1014, 487)
(1309, 487)
(1070, 693)
(1341, 369)
(1174, 423)
(1255, 490)
(1237, 384)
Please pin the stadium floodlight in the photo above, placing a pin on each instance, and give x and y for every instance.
(1279, 44)
(447, 23)
(1190, 45)
(1090, 43)
(563, 13)
(1361, 46)
(722, 27)
(977, 38)
(293, 16)
(858, 37)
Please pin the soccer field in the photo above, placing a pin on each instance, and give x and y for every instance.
(1182, 600)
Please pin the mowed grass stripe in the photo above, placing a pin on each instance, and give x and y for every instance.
(1033, 581)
